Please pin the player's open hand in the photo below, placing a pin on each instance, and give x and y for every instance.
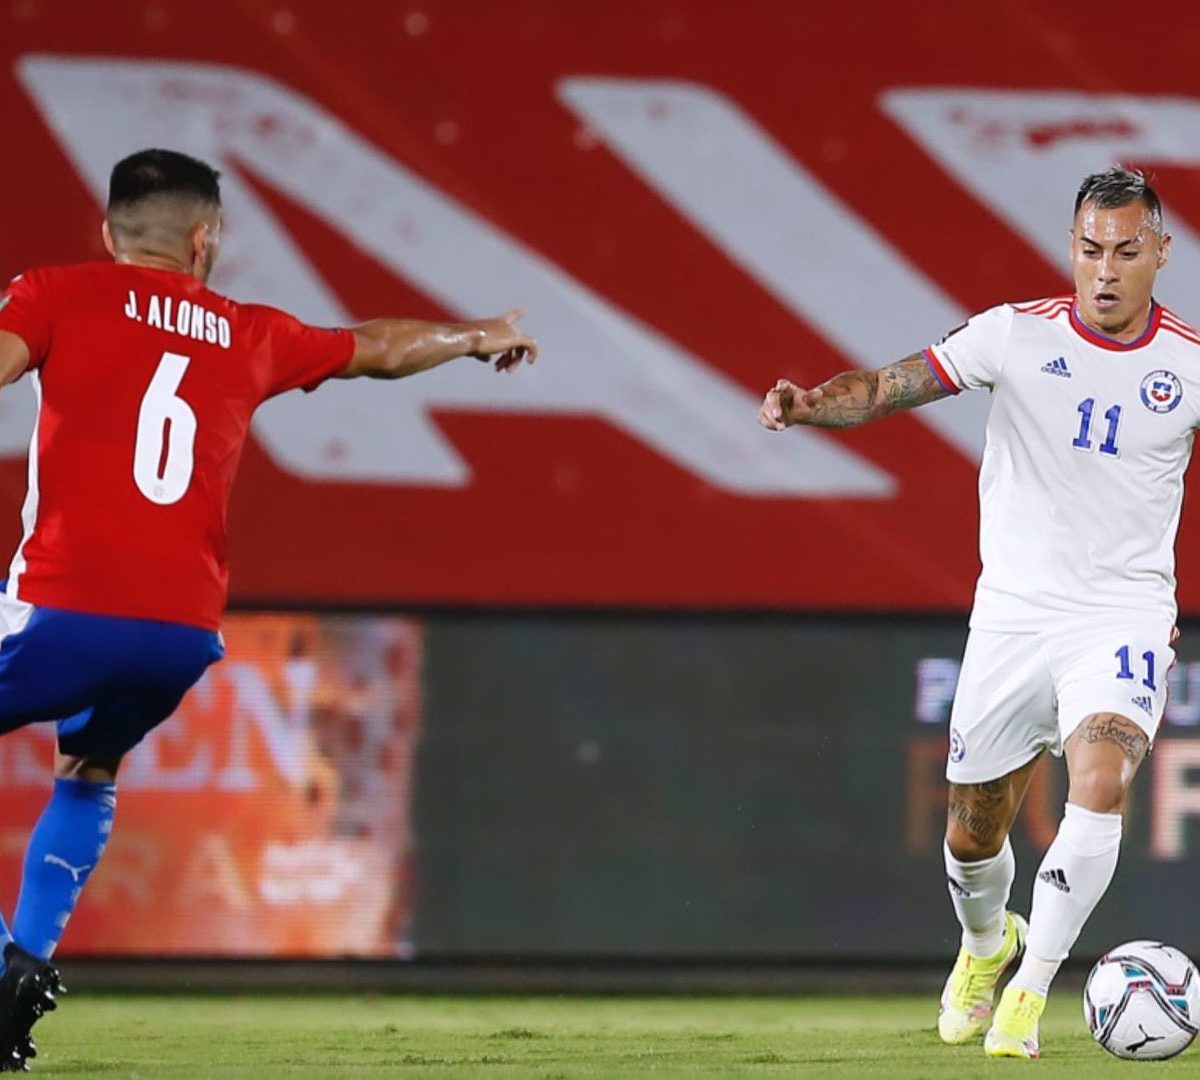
(786, 404)
(504, 342)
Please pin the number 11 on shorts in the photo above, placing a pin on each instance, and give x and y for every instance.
(1126, 671)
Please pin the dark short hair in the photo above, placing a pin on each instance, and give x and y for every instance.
(162, 172)
(1117, 187)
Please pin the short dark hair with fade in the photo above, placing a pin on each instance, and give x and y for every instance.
(1118, 187)
(162, 172)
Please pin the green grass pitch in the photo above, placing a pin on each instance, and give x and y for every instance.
(263, 1036)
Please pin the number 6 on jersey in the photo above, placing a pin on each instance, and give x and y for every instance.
(166, 435)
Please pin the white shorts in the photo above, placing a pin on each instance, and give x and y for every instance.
(1022, 693)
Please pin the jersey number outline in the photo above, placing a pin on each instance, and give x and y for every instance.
(1083, 441)
(163, 455)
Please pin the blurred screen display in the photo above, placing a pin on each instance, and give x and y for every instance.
(270, 815)
(763, 786)
(492, 785)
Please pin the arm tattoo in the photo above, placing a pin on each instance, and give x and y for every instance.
(849, 400)
(910, 383)
(855, 397)
(1130, 739)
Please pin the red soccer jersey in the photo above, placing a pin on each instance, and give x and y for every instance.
(146, 381)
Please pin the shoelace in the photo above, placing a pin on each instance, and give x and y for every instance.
(975, 986)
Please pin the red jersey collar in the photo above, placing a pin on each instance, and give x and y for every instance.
(1093, 337)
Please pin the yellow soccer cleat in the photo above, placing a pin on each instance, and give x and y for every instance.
(1014, 1030)
(969, 992)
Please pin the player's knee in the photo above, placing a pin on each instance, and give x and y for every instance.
(1099, 789)
(96, 770)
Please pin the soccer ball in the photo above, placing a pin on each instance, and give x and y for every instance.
(1142, 1001)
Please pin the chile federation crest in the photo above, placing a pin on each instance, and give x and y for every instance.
(1161, 391)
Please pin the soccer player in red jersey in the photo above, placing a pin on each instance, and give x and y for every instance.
(146, 382)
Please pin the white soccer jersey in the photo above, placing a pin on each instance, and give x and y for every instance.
(1082, 475)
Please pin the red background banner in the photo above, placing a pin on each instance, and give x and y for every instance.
(570, 509)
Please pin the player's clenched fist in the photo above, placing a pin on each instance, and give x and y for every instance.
(786, 403)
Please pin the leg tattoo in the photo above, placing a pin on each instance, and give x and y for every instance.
(981, 810)
(1124, 734)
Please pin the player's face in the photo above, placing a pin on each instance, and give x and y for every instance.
(1116, 255)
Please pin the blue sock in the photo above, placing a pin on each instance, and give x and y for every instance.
(66, 844)
(5, 938)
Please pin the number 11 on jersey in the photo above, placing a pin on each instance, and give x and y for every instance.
(1083, 441)
(166, 435)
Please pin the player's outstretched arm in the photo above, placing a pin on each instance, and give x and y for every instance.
(852, 398)
(14, 357)
(393, 348)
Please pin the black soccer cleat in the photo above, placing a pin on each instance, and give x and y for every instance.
(18, 1060)
(27, 993)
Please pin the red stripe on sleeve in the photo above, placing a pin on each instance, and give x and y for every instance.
(939, 372)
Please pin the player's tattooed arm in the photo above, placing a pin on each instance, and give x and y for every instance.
(852, 398)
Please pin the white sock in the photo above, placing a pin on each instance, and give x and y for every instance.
(979, 892)
(1073, 876)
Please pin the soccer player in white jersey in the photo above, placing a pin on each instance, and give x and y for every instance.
(1095, 399)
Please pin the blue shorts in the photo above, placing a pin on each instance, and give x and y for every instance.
(106, 681)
